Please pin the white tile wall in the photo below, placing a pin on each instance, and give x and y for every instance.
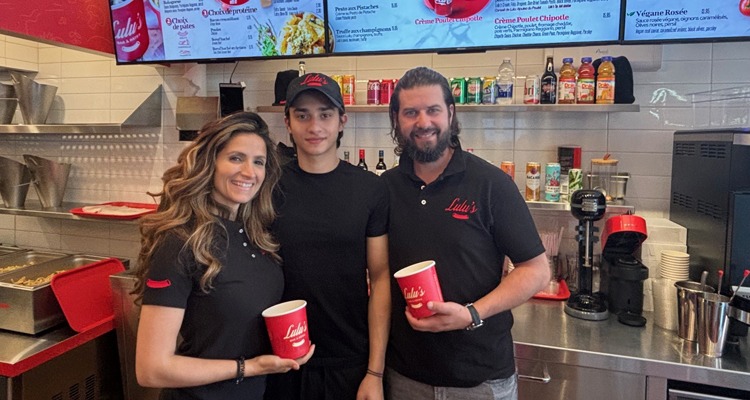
(92, 88)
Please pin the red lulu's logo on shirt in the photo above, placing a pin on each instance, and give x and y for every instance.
(158, 284)
(462, 208)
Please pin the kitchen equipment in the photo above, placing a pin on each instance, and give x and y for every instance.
(7, 91)
(619, 185)
(35, 99)
(127, 314)
(713, 324)
(622, 274)
(688, 293)
(50, 179)
(7, 109)
(6, 250)
(84, 293)
(587, 206)
(32, 309)
(15, 178)
(710, 197)
(602, 170)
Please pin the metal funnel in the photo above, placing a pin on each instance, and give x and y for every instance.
(15, 179)
(7, 109)
(35, 99)
(7, 91)
(49, 178)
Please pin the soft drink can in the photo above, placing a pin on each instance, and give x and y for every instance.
(458, 88)
(386, 90)
(373, 91)
(509, 167)
(533, 181)
(347, 89)
(340, 81)
(474, 90)
(489, 90)
(552, 182)
(531, 90)
(575, 180)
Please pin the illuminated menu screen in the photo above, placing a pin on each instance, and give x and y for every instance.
(664, 20)
(402, 25)
(188, 30)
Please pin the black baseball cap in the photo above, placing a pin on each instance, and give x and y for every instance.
(318, 82)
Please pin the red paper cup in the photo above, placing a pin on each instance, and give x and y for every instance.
(419, 285)
(287, 327)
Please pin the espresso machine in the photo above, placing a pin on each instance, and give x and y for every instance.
(622, 274)
(587, 206)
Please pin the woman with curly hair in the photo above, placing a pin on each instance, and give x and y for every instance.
(208, 267)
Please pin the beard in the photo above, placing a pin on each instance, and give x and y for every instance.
(429, 153)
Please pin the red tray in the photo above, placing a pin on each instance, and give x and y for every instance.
(85, 295)
(562, 294)
(150, 206)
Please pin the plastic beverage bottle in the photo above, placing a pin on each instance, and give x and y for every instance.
(505, 78)
(586, 86)
(548, 93)
(567, 83)
(605, 82)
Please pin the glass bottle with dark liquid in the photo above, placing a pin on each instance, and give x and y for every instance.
(548, 93)
(362, 164)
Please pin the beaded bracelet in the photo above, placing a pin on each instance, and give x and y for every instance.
(373, 373)
(240, 370)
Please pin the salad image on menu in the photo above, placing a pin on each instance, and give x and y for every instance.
(367, 26)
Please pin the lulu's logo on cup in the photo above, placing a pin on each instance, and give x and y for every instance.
(287, 328)
(130, 29)
(419, 285)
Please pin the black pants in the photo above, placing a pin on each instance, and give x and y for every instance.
(316, 383)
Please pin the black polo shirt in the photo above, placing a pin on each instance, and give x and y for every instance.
(226, 322)
(467, 220)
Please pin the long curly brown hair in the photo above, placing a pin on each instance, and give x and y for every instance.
(187, 208)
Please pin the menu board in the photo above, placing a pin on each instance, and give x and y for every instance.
(664, 20)
(412, 25)
(193, 30)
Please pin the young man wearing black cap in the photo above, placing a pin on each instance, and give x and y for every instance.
(332, 223)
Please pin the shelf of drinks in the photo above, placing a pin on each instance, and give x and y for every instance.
(613, 207)
(494, 108)
(34, 209)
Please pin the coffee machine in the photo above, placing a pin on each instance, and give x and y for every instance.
(622, 274)
(587, 206)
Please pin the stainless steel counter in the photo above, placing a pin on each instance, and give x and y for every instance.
(542, 331)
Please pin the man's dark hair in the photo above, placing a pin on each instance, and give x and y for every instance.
(418, 77)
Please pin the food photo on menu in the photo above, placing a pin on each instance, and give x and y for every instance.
(182, 30)
(366, 26)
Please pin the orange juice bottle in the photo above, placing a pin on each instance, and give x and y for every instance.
(585, 85)
(567, 83)
(605, 82)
